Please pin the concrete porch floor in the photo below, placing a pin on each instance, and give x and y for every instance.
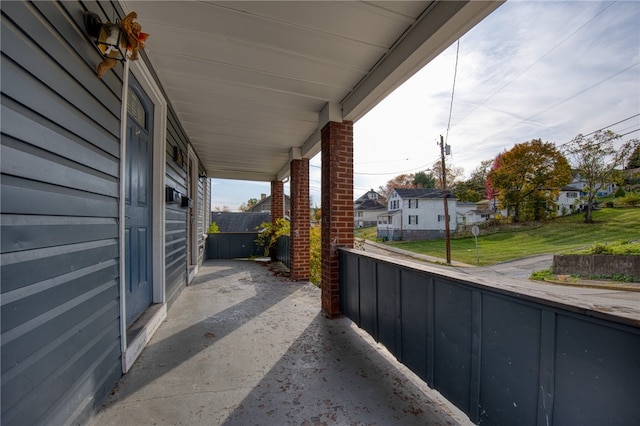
(242, 346)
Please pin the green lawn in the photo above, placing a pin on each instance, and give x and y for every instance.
(560, 236)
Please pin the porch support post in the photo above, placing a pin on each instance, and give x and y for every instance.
(337, 207)
(277, 205)
(300, 220)
(277, 200)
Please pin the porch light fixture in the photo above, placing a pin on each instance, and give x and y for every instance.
(116, 42)
(109, 37)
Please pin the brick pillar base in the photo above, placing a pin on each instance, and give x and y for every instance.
(277, 205)
(337, 207)
(300, 220)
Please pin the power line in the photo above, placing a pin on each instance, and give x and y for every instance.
(536, 62)
(562, 101)
(611, 125)
(453, 90)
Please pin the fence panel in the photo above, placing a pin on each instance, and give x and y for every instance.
(233, 245)
(502, 358)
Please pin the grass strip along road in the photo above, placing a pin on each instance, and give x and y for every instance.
(563, 235)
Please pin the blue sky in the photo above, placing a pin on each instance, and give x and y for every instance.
(532, 69)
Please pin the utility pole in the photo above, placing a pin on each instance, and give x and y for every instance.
(447, 236)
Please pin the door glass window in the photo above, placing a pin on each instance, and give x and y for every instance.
(136, 110)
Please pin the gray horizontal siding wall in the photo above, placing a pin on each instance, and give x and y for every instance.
(59, 204)
(59, 242)
(175, 215)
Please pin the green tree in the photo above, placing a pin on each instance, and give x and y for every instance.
(245, 207)
(467, 195)
(404, 180)
(424, 180)
(213, 228)
(596, 160)
(453, 174)
(634, 159)
(473, 189)
(530, 177)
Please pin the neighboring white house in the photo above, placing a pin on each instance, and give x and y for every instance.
(416, 214)
(568, 201)
(473, 217)
(367, 208)
(602, 189)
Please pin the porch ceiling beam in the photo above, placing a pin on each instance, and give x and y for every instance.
(241, 175)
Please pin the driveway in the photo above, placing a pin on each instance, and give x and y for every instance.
(519, 268)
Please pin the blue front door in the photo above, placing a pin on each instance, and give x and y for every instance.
(138, 272)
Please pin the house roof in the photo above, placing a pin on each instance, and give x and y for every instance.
(239, 222)
(254, 82)
(367, 196)
(483, 211)
(265, 200)
(370, 205)
(569, 188)
(421, 193)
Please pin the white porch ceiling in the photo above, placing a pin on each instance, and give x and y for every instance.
(248, 80)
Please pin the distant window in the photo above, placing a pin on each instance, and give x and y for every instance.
(413, 219)
(441, 218)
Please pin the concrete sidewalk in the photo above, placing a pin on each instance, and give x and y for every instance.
(243, 347)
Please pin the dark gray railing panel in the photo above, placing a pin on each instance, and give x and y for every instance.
(510, 362)
(598, 372)
(388, 325)
(500, 357)
(368, 295)
(414, 318)
(283, 250)
(233, 245)
(452, 354)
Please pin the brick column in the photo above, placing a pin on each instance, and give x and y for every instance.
(300, 220)
(277, 200)
(337, 207)
(277, 205)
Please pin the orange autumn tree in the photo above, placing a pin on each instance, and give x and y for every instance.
(529, 178)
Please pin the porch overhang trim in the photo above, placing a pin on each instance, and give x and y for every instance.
(429, 37)
(240, 175)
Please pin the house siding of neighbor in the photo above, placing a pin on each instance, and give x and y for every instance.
(603, 189)
(367, 208)
(416, 214)
(264, 205)
(568, 201)
(64, 344)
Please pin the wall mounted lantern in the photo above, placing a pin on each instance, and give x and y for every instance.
(116, 42)
(109, 37)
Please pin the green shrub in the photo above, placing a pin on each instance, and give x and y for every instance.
(315, 251)
(270, 232)
(599, 248)
(213, 228)
(541, 275)
(619, 192)
(630, 199)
